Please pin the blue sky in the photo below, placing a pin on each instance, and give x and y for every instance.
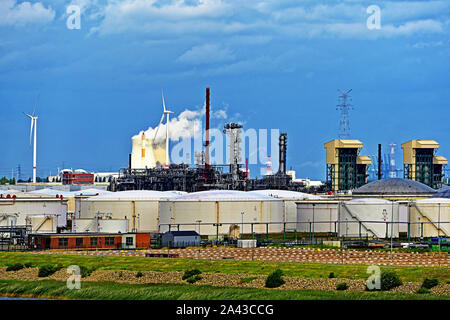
(269, 64)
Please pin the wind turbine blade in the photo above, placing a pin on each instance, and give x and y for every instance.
(164, 104)
(37, 102)
(157, 128)
(27, 115)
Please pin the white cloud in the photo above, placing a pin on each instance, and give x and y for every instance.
(270, 18)
(13, 13)
(207, 53)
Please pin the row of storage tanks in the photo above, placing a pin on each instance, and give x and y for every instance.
(272, 211)
(221, 212)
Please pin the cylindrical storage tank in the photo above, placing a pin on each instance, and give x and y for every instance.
(428, 216)
(229, 208)
(24, 205)
(42, 224)
(84, 225)
(318, 216)
(289, 201)
(139, 207)
(369, 217)
(112, 225)
(8, 220)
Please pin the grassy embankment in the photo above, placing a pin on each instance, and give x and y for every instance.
(293, 269)
(119, 291)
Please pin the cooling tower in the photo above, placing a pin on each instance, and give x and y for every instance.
(144, 154)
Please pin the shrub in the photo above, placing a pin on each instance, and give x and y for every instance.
(275, 279)
(194, 279)
(15, 267)
(190, 273)
(48, 270)
(192, 276)
(423, 290)
(85, 271)
(331, 275)
(29, 265)
(429, 283)
(342, 286)
(139, 274)
(120, 274)
(389, 280)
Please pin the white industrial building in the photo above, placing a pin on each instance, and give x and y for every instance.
(44, 213)
(289, 201)
(140, 208)
(228, 210)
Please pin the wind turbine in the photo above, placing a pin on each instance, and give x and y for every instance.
(33, 124)
(165, 113)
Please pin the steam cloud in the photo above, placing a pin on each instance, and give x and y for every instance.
(186, 125)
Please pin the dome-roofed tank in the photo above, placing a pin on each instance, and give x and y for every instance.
(394, 186)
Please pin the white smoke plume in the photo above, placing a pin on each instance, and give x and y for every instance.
(186, 125)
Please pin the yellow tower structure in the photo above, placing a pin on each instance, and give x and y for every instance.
(346, 169)
(421, 163)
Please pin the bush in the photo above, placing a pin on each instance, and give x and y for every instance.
(190, 273)
(85, 271)
(342, 286)
(331, 275)
(139, 274)
(15, 267)
(389, 280)
(48, 270)
(194, 279)
(423, 290)
(429, 283)
(29, 265)
(275, 279)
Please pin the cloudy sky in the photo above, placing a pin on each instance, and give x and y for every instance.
(270, 64)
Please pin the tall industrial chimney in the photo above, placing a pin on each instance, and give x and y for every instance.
(207, 131)
(282, 157)
(379, 162)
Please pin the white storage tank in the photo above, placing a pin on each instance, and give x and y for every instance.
(42, 224)
(24, 205)
(140, 208)
(368, 217)
(317, 216)
(225, 207)
(289, 200)
(431, 212)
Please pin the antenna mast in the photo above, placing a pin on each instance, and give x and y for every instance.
(344, 105)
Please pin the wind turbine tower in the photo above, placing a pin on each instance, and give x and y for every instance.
(33, 125)
(167, 114)
(344, 105)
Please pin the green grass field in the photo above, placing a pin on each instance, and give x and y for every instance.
(294, 269)
(118, 291)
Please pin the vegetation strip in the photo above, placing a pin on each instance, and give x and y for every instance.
(121, 291)
(292, 269)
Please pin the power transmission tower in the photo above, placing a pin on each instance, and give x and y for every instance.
(344, 105)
